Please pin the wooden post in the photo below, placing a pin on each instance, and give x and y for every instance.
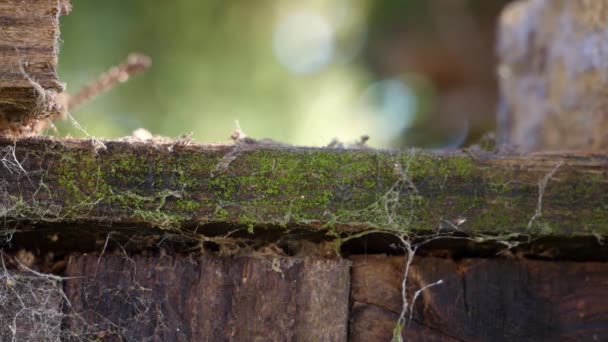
(553, 74)
(29, 32)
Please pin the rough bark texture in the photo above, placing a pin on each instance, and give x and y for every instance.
(553, 74)
(480, 299)
(177, 189)
(208, 298)
(29, 88)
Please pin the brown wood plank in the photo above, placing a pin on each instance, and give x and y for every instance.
(481, 299)
(29, 32)
(208, 298)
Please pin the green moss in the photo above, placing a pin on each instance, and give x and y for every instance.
(189, 206)
(463, 166)
(340, 190)
(220, 214)
(250, 227)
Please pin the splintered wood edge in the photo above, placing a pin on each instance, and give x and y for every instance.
(29, 46)
(181, 187)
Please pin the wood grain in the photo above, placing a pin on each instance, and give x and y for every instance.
(481, 299)
(29, 32)
(208, 298)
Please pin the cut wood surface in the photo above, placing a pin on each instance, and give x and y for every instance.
(29, 32)
(207, 298)
(175, 188)
(480, 299)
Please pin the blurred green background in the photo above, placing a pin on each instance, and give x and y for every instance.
(404, 72)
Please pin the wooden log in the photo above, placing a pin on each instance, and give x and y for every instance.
(29, 88)
(208, 298)
(480, 299)
(553, 74)
(81, 186)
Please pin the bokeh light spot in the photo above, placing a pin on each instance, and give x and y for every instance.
(392, 106)
(304, 42)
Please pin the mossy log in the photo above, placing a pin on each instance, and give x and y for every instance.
(257, 188)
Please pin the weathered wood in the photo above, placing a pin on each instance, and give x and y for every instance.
(553, 74)
(29, 32)
(208, 298)
(480, 299)
(184, 188)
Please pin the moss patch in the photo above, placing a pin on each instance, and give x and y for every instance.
(346, 191)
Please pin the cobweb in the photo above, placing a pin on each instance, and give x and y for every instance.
(30, 303)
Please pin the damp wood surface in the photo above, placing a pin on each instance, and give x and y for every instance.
(496, 299)
(29, 32)
(175, 188)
